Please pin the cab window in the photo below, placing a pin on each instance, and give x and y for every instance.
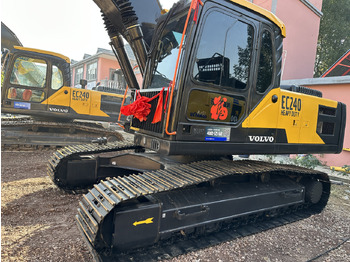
(265, 70)
(225, 61)
(25, 94)
(57, 78)
(29, 72)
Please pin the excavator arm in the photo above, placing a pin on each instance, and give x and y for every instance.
(123, 20)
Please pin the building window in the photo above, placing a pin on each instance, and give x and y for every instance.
(117, 77)
(92, 71)
(79, 74)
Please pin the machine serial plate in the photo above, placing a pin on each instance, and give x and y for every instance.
(217, 134)
(21, 105)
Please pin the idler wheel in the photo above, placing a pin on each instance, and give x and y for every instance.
(314, 190)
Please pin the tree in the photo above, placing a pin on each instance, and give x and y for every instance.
(334, 35)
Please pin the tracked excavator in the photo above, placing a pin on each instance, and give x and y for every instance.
(36, 83)
(211, 90)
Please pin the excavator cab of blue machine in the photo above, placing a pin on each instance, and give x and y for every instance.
(37, 83)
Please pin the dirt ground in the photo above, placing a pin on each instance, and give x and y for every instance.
(38, 224)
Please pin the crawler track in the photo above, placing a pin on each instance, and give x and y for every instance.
(28, 133)
(181, 245)
(57, 166)
(107, 195)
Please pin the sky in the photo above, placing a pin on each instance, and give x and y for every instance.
(69, 27)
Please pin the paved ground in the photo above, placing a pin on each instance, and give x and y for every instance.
(37, 223)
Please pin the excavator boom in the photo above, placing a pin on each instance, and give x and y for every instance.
(8, 38)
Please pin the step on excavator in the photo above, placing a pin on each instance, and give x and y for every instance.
(211, 89)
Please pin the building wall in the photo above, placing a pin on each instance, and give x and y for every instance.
(317, 3)
(264, 4)
(302, 27)
(105, 63)
(104, 66)
(301, 42)
(138, 75)
(73, 69)
(338, 89)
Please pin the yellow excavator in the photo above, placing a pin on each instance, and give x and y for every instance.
(211, 90)
(36, 83)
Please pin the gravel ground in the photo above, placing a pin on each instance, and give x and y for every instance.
(37, 223)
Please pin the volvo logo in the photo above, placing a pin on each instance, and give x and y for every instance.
(261, 139)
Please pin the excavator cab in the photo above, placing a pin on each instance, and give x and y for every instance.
(226, 96)
(30, 78)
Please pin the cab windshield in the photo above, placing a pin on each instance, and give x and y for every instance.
(29, 72)
(164, 61)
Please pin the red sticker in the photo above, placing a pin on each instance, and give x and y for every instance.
(218, 111)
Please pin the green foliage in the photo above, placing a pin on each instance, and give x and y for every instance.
(334, 35)
(347, 170)
(308, 161)
(270, 158)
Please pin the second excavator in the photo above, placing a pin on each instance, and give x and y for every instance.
(36, 83)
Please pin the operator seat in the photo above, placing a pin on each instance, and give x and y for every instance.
(27, 94)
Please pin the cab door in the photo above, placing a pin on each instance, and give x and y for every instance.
(59, 93)
(261, 121)
(217, 88)
(26, 85)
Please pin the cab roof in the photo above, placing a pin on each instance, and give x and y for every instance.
(270, 16)
(42, 52)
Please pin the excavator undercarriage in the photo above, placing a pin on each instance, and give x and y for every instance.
(154, 198)
(137, 210)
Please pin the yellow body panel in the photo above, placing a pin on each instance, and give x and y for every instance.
(263, 12)
(59, 98)
(43, 52)
(296, 113)
(273, 18)
(82, 101)
(96, 102)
